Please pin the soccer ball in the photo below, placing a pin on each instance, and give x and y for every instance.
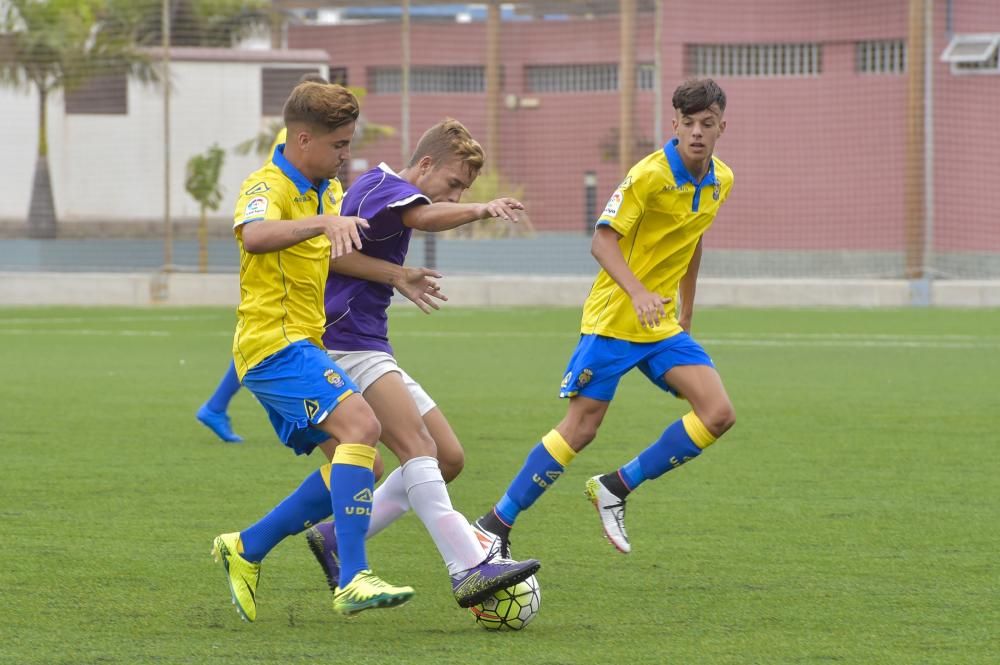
(512, 608)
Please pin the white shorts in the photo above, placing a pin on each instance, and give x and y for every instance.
(367, 367)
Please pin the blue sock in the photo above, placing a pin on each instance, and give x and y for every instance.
(674, 447)
(229, 386)
(351, 483)
(545, 463)
(307, 505)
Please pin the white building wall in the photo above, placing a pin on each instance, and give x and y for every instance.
(19, 142)
(109, 168)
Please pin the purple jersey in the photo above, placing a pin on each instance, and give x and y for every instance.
(356, 318)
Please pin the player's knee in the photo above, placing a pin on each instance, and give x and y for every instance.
(451, 462)
(720, 419)
(581, 435)
(415, 443)
(365, 429)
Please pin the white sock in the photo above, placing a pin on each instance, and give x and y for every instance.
(449, 529)
(389, 502)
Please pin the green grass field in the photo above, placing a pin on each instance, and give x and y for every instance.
(851, 515)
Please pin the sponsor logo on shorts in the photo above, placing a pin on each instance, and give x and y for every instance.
(565, 381)
(312, 407)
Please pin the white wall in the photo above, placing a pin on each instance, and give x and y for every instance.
(109, 168)
(19, 138)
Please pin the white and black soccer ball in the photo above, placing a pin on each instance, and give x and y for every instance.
(512, 608)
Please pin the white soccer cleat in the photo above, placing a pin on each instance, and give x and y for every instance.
(493, 544)
(612, 512)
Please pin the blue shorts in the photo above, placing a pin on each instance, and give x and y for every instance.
(599, 363)
(299, 386)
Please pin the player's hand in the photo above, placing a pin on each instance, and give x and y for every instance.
(649, 308)
(504, 207)
(419, 285)
(344, 234)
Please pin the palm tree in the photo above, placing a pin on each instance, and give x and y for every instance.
(212, 23)
(53, 45)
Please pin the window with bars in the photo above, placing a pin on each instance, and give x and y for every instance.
(432, 79)
(880, 57)
(106, 94)
(276, 83)
(755, 60)
(645, 74)
(583, 78)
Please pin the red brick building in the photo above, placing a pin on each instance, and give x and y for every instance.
(817, 117)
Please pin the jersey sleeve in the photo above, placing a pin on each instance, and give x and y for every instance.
(259, 201)
(727, 186)
(626, 204)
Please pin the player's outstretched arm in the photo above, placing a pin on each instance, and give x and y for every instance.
(418, 285)
(687, 288)
(274, 235)
(444, 215)
(648, 305)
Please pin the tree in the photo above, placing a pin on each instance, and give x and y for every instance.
(212, 23)
(52, 45)
(202, 183)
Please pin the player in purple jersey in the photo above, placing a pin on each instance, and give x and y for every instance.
(425, 195)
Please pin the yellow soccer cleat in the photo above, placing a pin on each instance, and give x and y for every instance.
(368, 591)
(243, 575)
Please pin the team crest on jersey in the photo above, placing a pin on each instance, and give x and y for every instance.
(584, 378)
(613, 203)
(334, 378)
(259, 188)
(716, 192)
(256, 207)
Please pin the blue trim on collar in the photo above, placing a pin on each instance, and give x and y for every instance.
(682, 176)
(302, 183)
(680, 171)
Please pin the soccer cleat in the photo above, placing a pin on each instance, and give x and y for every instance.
(476, 584)
(218, 422)
(242, 575)
(493, 543)
(323, 544)
(612, 512)
(367, 591)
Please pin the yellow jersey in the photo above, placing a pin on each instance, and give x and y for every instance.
(281, 293)
(661, 212)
